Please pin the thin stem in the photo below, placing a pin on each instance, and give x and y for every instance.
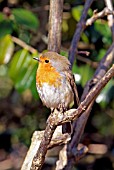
(23, 44)
(79, 30)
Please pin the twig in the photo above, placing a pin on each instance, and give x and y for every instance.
(56, 119)
(88, 61)
(55, 20)
(79, 29)
(84, 59)
(110, 17)
(86, 53)
(105, 12)
(23, 44)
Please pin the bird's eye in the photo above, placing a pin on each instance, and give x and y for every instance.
(46, 61)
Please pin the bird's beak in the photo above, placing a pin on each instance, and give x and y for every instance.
(36, 59)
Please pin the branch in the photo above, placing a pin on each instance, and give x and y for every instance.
(57, 118)
(79, 30)
(83, 56)
(87, 61)
(55, 20)
(23, 44)
(106, 11)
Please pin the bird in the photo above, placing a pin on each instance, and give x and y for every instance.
(55, 84)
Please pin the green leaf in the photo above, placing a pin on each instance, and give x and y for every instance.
(6, 27)
(25, 35)
(84, 38)
(64, 25)
(86, 73)
(1, 16)
(25, 18)
(100, 55)
(23, 70)
(6, 49)
(104, 30)
(20, 59)
(64, 53)
(77, 12)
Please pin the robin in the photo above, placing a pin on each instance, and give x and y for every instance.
(55, 83)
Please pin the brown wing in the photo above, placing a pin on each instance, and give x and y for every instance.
(67, 127)
(71, 79)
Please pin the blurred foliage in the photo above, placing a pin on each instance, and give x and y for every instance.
(17, 21)
(21, 111)
(25, 18)
(22, 70)
(6, 49)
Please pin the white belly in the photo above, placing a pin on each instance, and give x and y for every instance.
(52, 96)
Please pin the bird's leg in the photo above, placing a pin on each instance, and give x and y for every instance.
(66, 127)
(61, 108)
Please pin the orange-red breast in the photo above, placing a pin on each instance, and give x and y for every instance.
(55, 82)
